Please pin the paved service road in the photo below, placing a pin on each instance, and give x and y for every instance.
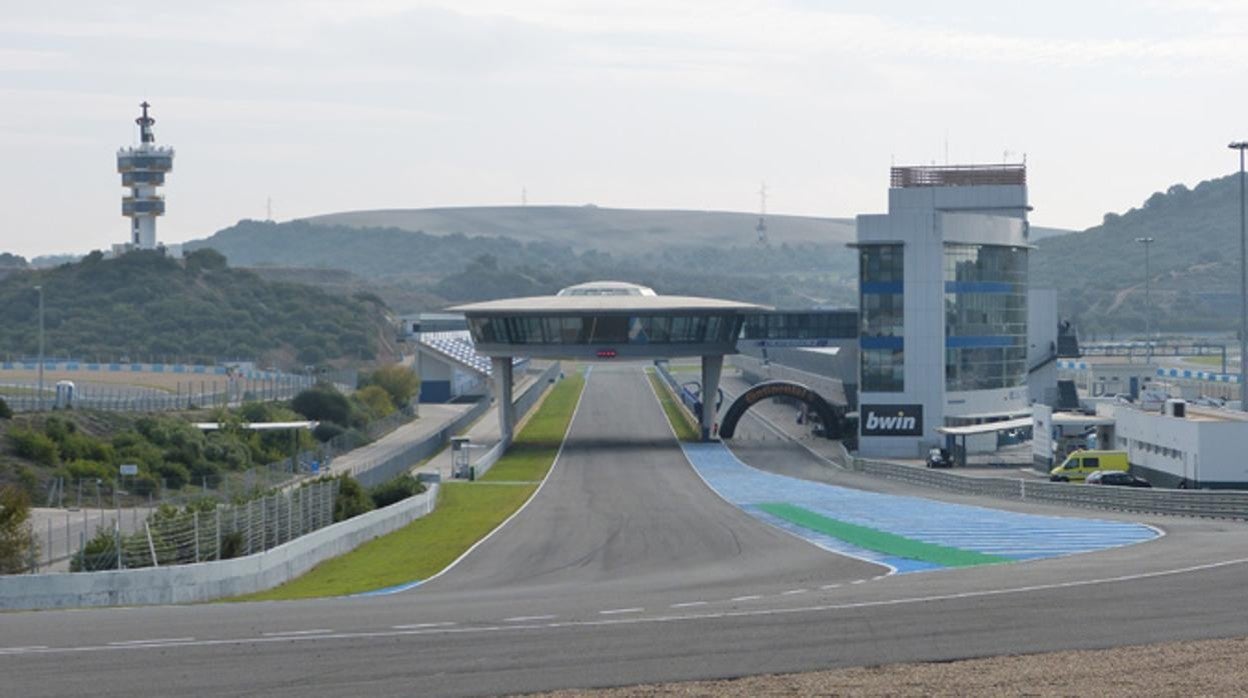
(626, 568)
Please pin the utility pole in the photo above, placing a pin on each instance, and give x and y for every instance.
(40, 392)
(1243, 283)
(1148, 301)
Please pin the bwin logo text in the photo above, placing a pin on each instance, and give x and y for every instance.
(898, 423)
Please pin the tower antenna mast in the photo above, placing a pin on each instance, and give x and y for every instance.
(761, 228)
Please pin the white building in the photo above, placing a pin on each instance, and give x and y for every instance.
(143, 168)
(945, 338)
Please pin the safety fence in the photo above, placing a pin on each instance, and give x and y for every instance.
(122, 493)
(172, 536)
(219, 391)
(1203, 503)
(212, 579)
(89, 539)
(687, 398)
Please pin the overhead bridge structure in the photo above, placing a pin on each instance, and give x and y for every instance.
(596, 322)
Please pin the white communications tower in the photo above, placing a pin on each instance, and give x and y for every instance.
(143, 169)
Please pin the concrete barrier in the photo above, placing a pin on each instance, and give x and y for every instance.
(523, 404)
(206, 581)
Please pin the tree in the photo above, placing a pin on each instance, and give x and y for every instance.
(323, 403)
(6, 412)
(376, 401)
(352, 499)
(17, 540)
(400, 382)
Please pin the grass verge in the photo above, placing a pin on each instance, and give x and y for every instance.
(676, 415)
(534, 449)
(465, 514)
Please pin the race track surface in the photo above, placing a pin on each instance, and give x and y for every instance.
(627, 568)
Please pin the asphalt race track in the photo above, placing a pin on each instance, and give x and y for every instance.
(626, 568)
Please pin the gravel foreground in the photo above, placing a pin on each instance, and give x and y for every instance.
(1198, 668)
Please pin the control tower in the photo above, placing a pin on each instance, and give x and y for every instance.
(143, 169)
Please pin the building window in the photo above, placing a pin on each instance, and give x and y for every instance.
(985, 317)
(881, 289)
(883, 370)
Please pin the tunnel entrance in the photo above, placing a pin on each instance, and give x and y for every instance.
(831, 417)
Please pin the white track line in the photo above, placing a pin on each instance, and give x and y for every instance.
(791, 592)
(689, 604)
(751, 597)
(605, 622)
(527, 502)
(417, 626)
(617, 611)
(154, 641)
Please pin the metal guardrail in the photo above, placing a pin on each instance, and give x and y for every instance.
(1202, 503)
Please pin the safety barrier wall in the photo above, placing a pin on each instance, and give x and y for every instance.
(1205, 503)
(210, 580)
(375, 473)
(523, 404)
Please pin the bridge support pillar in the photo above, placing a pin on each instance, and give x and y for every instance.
(502, 371)
(712, 367)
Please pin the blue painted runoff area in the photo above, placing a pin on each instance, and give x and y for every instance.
(1007, 534)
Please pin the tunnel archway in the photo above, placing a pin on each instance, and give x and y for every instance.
(831, 416)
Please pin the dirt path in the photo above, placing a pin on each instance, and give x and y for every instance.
(1206, 667)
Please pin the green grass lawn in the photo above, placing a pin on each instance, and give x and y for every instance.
(466, 513)
(534, 449)
(676, 415)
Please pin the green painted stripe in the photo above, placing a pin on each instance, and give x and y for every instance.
(880, 541)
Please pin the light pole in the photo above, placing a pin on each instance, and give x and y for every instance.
(1148, 301)
(1241, 146)
(40, 393)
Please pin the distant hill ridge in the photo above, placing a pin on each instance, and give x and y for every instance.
(1193, 263)
(613, 230)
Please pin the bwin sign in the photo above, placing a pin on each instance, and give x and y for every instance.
(892, 420)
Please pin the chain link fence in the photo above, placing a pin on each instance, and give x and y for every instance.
(25, 396)
(207, 530)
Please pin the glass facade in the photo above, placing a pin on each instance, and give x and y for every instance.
(162, 163)
(140, 206)
(811, 324)
(605, 329)
(881, 275)
(985, 317)
(130, 179)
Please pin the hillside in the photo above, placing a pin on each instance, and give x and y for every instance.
(413, 270)
(146, 306)
(1194, 263)
(607, 230)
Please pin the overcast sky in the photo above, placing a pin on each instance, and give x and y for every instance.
(333, 106)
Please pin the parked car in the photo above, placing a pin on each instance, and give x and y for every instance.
(939, 458)
(1116, 477)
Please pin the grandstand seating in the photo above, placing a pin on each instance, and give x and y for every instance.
(459, 346)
